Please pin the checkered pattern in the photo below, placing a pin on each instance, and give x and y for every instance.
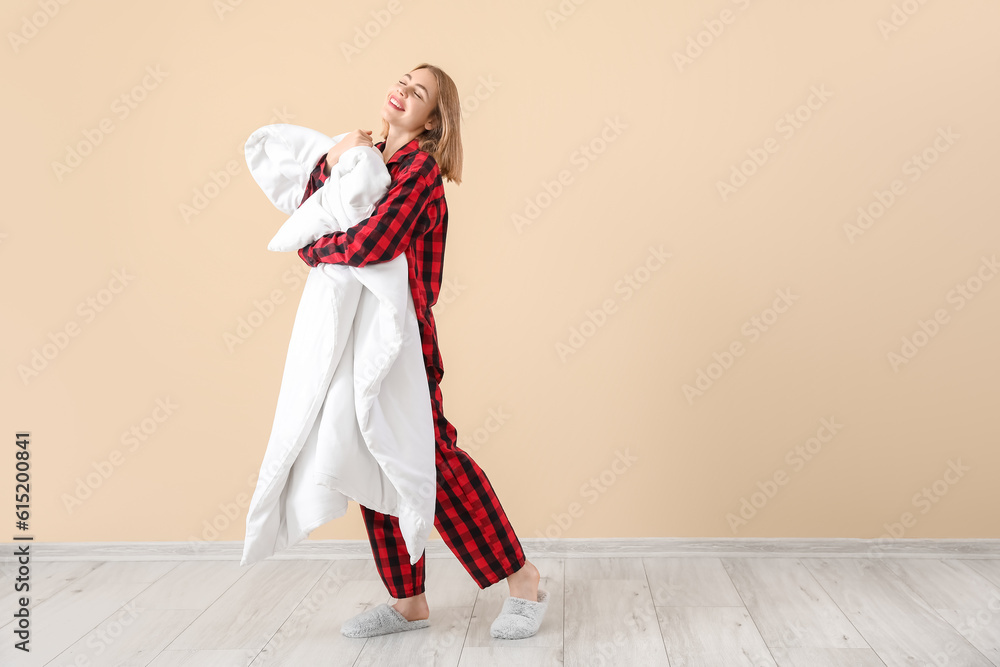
(468, 516)
(413, 218)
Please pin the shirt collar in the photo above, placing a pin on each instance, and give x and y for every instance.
(412, 146)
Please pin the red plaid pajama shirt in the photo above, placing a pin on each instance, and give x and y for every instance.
(412, 218)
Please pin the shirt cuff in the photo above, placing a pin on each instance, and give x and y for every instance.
(305, 257)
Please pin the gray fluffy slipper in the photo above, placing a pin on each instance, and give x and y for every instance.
(520, 618)
(379, 620)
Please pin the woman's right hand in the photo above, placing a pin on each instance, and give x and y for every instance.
(353, 138)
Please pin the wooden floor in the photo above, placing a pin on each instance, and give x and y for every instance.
(677, 611)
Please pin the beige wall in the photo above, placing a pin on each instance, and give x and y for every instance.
(841, 108)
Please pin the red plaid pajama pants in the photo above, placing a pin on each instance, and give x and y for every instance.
(467, 514)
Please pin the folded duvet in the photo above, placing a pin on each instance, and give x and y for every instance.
(353, 418)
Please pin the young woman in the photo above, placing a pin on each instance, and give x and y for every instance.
(420, 123)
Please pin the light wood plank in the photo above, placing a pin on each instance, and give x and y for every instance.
(979, 625)
(788, 606)
(311, 634)
(191, 585)
(316, 619)
(699, 636)
(253, 608)
(981, 628)
(899, 626)
(204, 658)
(944, 584)
(609, 615)
(690, 581)
(76, 609)
(826, 657)
(131, 637)
(511, 656)
(989, 569)
(47, 579)
(605, 567)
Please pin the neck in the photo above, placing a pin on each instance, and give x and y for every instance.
(397, 139)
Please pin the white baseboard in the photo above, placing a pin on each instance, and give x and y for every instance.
(639, 547)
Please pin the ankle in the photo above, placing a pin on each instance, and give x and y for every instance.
(527, 572)
(413, 600)
(412, 608)
(524, 582)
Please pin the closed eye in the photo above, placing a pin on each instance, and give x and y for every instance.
(414, 92)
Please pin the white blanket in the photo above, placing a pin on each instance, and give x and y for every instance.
(353, 419)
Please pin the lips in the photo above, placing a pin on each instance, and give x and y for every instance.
(393, 102)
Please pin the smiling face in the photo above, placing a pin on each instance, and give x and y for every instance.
(410, 102)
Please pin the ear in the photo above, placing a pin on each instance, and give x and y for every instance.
(432, 122)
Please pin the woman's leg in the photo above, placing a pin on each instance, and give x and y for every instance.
(467, 514)
(392, 560)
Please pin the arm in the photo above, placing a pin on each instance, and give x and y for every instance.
(316, 179)
(385, 234)
(321, 171)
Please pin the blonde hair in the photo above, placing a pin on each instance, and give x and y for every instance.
(444, 142)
